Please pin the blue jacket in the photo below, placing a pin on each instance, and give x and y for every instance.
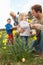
(8, 28)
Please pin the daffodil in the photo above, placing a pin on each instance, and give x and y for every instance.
(4, 47)
(6, 36)
(35, 38)
(14, 32)
(29, 20)
(0, 36)
(4, 41)
(0, 33)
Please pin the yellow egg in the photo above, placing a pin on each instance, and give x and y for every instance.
(23, 59)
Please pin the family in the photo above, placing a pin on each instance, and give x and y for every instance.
(23, 27)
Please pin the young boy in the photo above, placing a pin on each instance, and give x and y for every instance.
(9, 29)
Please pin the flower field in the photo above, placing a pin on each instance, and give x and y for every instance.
(17, 54)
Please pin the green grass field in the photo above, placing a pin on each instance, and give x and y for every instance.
(17, 54)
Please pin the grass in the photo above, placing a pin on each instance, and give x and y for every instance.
(32, 59)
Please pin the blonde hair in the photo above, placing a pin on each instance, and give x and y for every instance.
(21, 15)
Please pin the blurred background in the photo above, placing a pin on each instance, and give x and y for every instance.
(6, 6)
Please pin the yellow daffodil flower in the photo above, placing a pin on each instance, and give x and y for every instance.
(14, 32)
(0, 33)
(35, 38)
(29, 20)
(0, 36)
(4, 47)
(4, 41)
(6, 36)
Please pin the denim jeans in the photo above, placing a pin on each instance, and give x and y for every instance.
(36, 43)
(41, 43)
(26, 39)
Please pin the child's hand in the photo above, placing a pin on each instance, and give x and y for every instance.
(21, 30)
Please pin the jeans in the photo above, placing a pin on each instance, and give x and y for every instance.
(41, 43)
(26, 39)
(36, 43)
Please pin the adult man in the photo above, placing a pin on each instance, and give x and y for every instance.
(37, 23)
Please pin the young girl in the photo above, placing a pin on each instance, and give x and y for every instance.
(24, 28)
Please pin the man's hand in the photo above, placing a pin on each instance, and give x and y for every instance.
(34, 26)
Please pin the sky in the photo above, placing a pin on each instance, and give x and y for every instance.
(15, 5)
(4, 12)
(24, 5)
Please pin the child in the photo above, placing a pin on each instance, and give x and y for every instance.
(9, 31)
(24, 28)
